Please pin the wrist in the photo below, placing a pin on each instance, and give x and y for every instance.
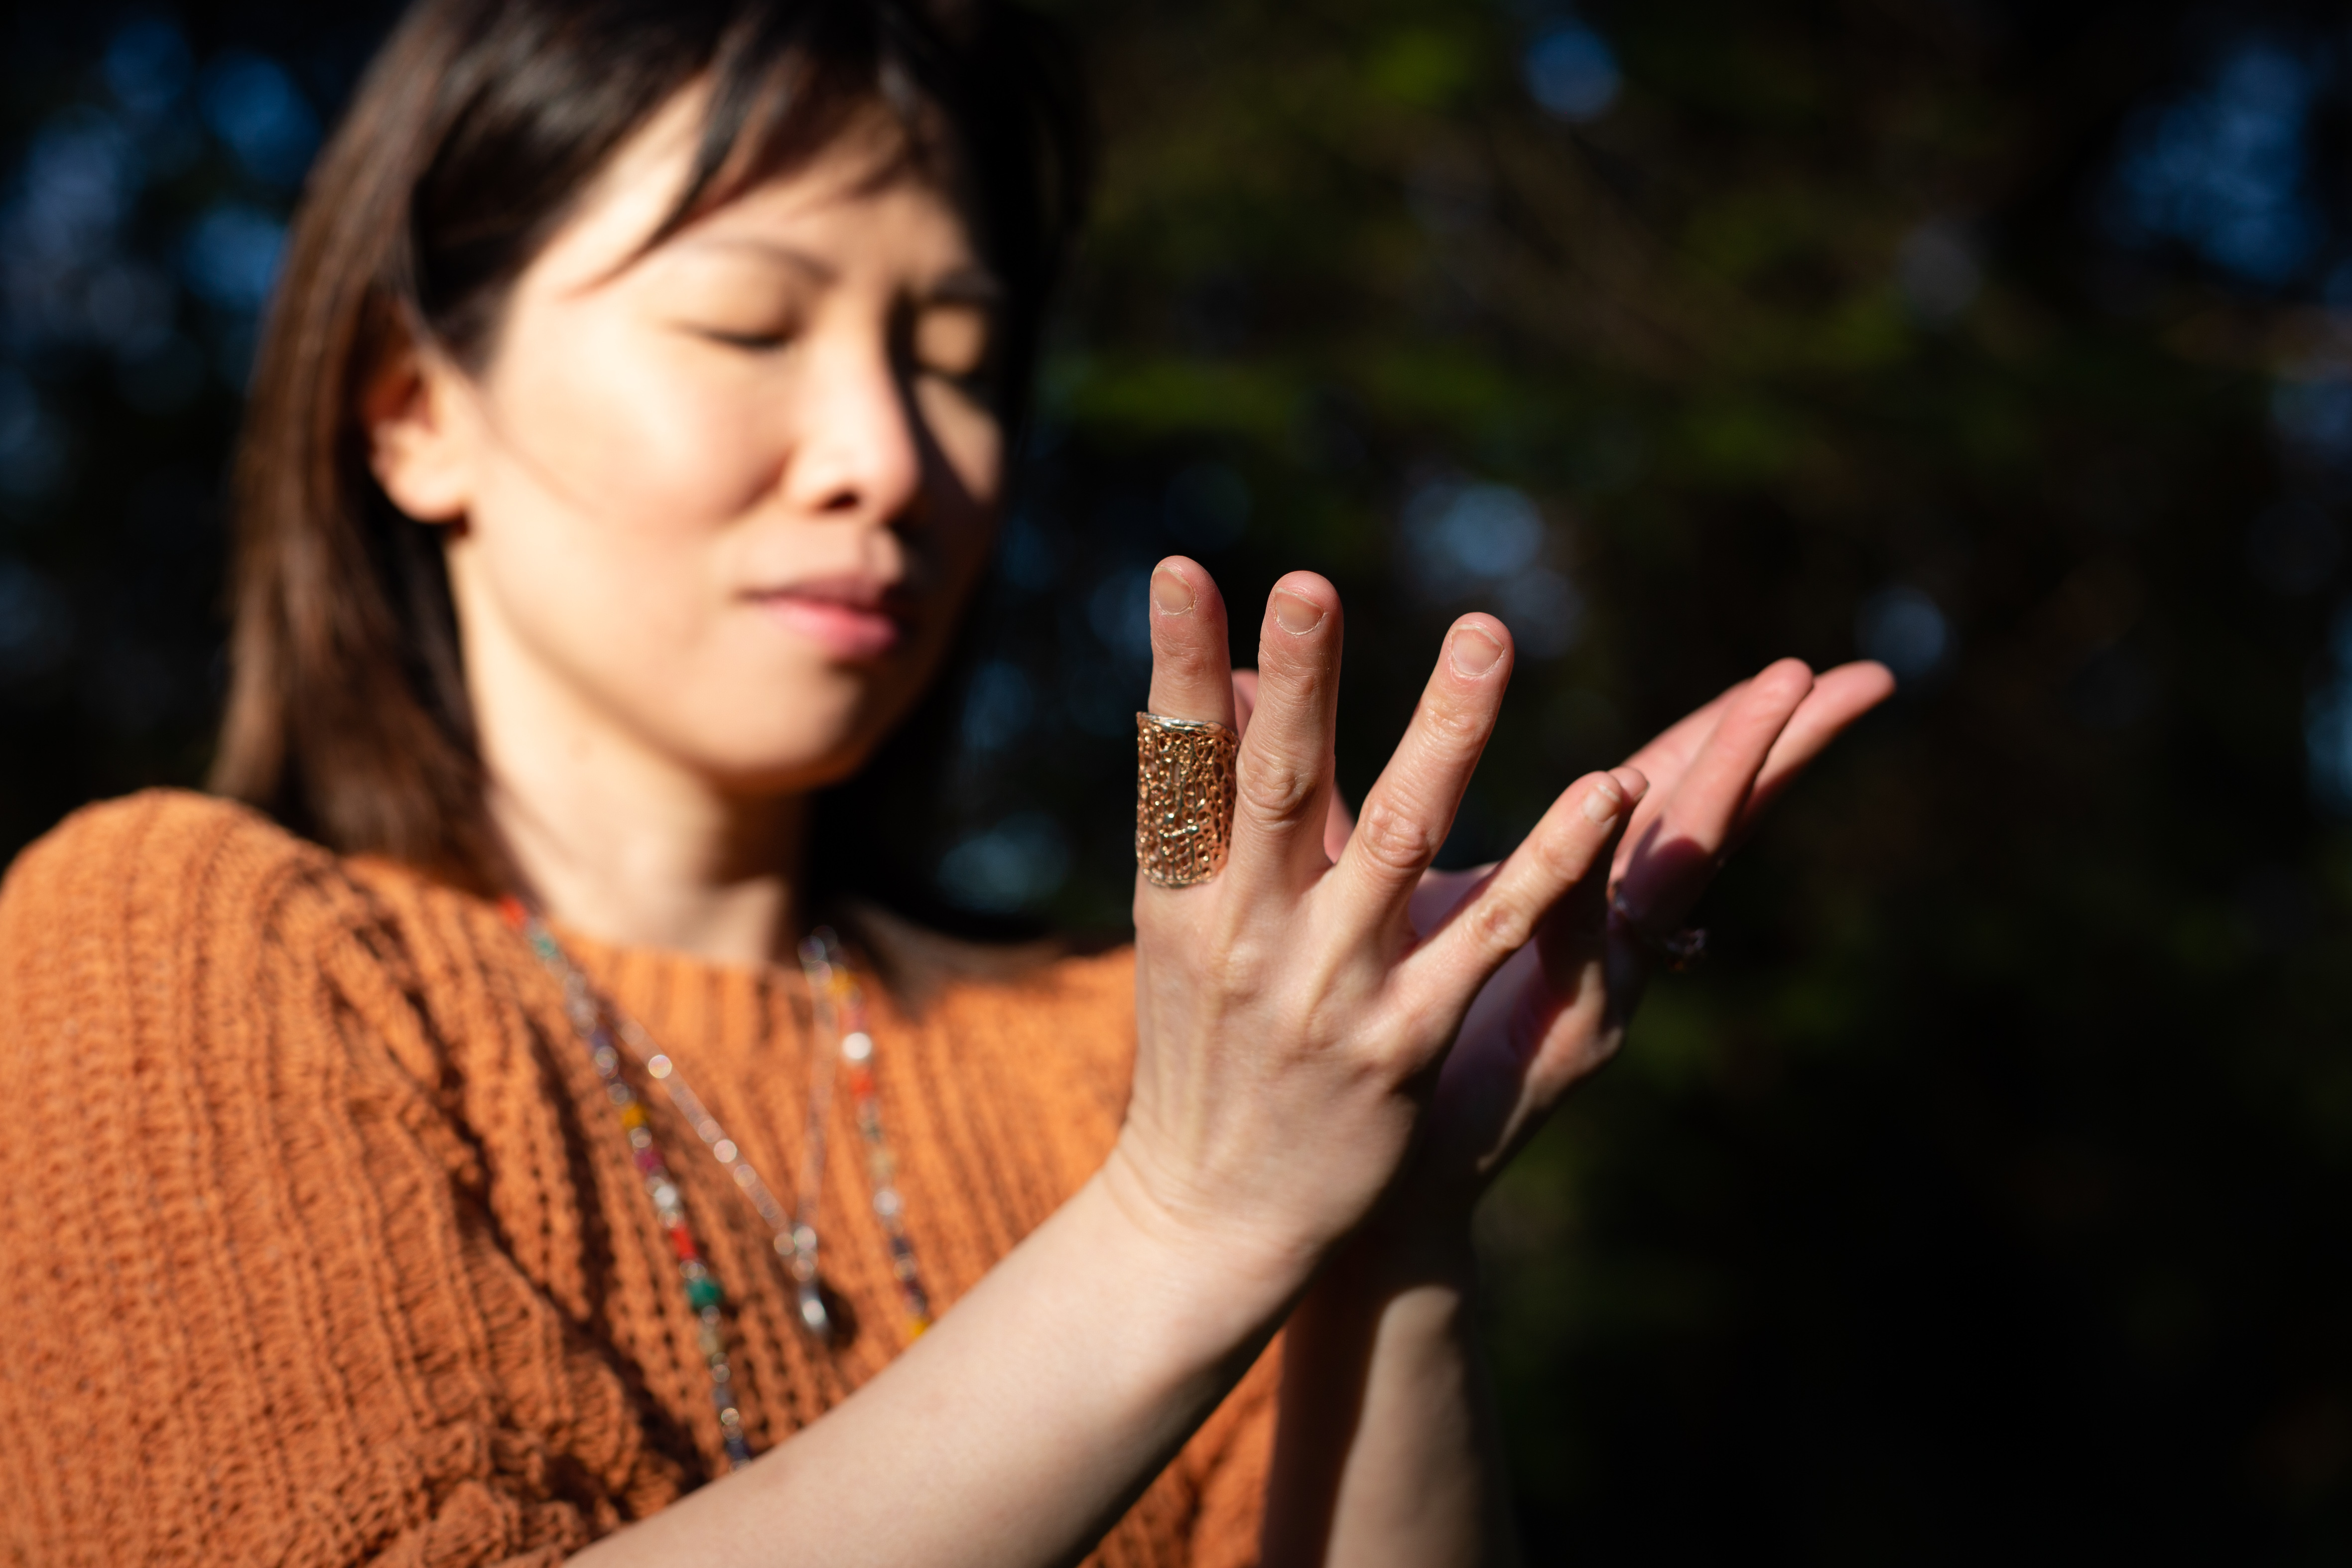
(1404, 1257)
(1235, 1274)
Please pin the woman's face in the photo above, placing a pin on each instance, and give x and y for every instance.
(720, 503)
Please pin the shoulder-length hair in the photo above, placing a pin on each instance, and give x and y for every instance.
(470, 140)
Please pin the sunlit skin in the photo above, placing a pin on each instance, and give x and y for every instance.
(710, 512)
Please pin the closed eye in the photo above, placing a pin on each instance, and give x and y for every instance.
(955, 342)
(754, 341)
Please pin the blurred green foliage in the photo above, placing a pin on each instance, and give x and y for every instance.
(1987, 1193)
(1985, 1196)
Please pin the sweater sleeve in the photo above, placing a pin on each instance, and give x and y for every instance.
(255, 1306)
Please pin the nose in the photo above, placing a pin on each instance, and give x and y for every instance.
(860, 457)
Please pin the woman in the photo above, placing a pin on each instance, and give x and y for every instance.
(625, 444)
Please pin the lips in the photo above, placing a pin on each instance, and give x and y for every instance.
(850, 618)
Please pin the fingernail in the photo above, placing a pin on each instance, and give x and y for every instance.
(1298, 616)
(1473, 652)
(1170, 593)
(1604, 803)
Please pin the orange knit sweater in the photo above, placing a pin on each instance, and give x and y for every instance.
(320, 1244)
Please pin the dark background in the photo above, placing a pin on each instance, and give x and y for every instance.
(1988, 1194)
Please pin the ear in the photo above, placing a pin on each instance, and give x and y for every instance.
(416, 408)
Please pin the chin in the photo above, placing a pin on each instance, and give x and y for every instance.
(820, 728)
(785, 766)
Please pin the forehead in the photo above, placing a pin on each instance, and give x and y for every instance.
(867, 198)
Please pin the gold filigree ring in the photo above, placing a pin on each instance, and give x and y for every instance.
(1183, 798)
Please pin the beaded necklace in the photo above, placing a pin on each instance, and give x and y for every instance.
(839, 1005)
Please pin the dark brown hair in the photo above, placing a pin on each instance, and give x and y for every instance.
(476, 129)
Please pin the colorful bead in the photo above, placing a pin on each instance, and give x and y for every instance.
(834, 991)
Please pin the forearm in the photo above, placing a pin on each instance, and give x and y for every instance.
(1014, 1433)
(1387, 1450)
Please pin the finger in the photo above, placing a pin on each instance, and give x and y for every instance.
(1568, 853)
(1666, 760)
(1661, 872)
(1839, 698)
(1191, 678)
(1411, 806)
(1662, 761)
(1283, 780)
(1338, 821)
(1668, 756)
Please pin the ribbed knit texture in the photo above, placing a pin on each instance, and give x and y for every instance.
(321, 1242)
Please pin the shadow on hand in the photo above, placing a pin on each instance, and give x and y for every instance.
(1508, 1069)
(1659, 881)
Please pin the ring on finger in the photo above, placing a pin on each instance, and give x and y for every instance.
(1678, 950)
(1183, 798)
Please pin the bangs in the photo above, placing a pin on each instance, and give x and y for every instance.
(976, 101)
(474, 137)
(787, 84)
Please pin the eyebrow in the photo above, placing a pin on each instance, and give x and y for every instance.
(797, 259)
(964, 286)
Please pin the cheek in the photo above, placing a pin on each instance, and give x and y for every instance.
(627, 471)
(619, 428)
(597, 543)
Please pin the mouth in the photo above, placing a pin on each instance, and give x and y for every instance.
(851, 618)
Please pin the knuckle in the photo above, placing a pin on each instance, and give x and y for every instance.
(1426, 1023)
(1297, 661)
(1274, 790)
(1559, 855)
(1497, 924)
(1392, 839)
(1455, 726)
(1219, 960)
(1186, 659)
(1229, 968)
(1557, 1072)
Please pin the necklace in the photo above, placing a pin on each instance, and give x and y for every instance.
(839, 1006)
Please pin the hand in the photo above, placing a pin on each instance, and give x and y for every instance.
(1290, 1020)
(1559, 1009)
